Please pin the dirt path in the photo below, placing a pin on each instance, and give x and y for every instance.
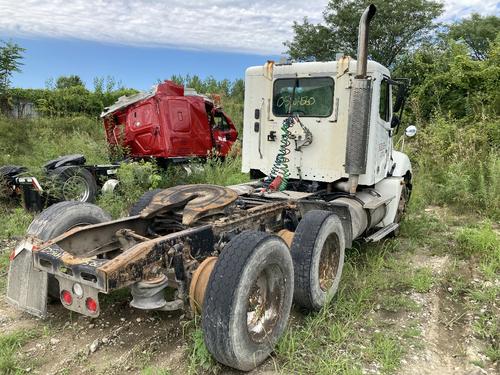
(448, 346)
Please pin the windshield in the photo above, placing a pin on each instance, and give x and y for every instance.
(312, 97)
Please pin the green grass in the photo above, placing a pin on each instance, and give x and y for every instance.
(9, 347)
(386, 351)
(422, 280)
(32, 143)
(478, 252)
(155, 371)
(15, 221)
(345, 336)
(199, 360)
(396, 303)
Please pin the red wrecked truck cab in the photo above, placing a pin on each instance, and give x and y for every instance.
(166, 123)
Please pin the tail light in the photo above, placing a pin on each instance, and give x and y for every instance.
(91, 305)
(66, 297)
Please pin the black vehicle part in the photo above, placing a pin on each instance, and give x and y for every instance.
(318, 258)
(248, 298)
(74, 183)
(64, 216)
(8, 175)
(11, 170)
(143, 202)
(76, 159)
(32, 199)
(404, 198)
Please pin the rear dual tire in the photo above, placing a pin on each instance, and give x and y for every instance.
(250, 290)
(248, 299)
(318, 249)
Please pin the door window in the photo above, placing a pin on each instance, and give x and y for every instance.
(384, 109)
(220, 122)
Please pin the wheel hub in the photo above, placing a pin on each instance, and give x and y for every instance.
(75, 188)
(265, 303)
(329, 262)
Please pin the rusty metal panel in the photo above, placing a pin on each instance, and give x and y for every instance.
(198, 200)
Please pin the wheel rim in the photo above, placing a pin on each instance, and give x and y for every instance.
(329, 262)
(265, 303)
(76, 188)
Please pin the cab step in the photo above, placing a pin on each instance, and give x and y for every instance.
(383, 232)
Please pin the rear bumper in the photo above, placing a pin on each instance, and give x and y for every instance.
(55, 261)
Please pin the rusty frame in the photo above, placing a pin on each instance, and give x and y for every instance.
(178, 253)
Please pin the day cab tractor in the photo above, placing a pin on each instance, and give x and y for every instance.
(168, 124)
(321, 136)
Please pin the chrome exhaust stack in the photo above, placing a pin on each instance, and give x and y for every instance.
(359, 107)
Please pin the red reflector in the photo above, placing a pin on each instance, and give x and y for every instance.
(12, 255)
(91, 305)
(66, 297)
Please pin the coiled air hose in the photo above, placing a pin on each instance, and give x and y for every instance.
(279, 175)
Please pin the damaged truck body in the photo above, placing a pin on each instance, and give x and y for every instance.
(321, 136)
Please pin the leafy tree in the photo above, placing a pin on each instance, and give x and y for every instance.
(478, 33)
(398, 26)
(65, 82)
(11, 55)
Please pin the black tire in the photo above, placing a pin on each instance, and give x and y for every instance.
(74, 183)
(404, 198)
(60, 218)
(318, 247)
(143, 202)
(232, 289)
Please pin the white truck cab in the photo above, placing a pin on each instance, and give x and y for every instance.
(321, 100)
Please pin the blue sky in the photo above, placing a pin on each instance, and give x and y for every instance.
(140, 41)
(137, 67)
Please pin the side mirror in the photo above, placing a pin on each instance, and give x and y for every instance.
(410, 131)
(400, 98)
(395, 121)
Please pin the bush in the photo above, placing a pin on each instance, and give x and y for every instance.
(32, 142)
(457, 163)
(135, 179)
(138, 177)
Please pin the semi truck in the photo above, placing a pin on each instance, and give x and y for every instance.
(318, 141)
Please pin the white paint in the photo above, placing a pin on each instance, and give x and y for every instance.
(324, 159)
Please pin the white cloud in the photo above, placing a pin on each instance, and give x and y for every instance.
(258, 26)
(456, 9)
(233, 25)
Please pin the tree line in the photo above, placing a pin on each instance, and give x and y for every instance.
(453, 68)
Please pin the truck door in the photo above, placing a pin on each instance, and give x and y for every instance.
(384, 143)
(143, 130)
(188, 127)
